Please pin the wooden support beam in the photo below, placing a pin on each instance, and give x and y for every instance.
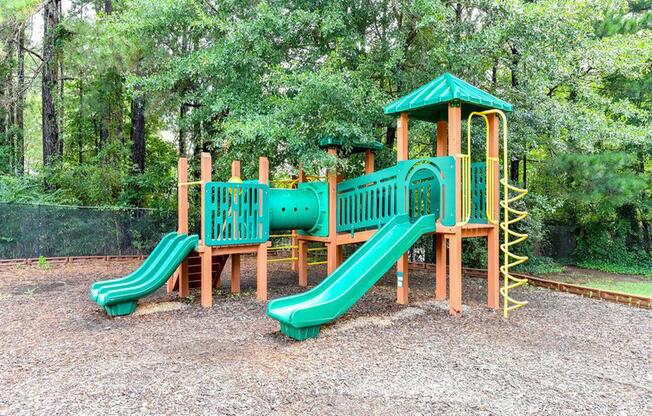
(402, 146)
(455, 240)
(369, 161)
(442, 138)
(261, 258)
(182, 227)
(235, 258)
(207, 253)
(359, 237)
(455, 274)
(303, 263)
(402, 153)
(440, 266)
(493, 240)
(301, 177)
(331, 246)
(402, 283)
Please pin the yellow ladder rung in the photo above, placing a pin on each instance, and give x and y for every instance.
(189, 183)
(314, 263)
(281, 248)
(283, 259)
(317, 249)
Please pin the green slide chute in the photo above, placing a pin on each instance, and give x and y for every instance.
(120, 296)
(302, 315)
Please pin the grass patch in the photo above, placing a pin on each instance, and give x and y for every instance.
(631, 288)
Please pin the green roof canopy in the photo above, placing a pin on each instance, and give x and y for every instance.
(429, 102)
(356, 147)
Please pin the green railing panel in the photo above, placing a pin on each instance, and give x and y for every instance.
(236, 213)
(417, 187)
(478, 193)
(367, 201)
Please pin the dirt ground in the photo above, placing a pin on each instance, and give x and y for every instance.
(562, 354)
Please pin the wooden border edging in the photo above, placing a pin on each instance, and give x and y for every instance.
(638, 301)
(69, 259)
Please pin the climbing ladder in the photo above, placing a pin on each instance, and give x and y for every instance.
(511, 215)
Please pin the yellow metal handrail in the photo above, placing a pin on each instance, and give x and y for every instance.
(465, 178)
(510, 259)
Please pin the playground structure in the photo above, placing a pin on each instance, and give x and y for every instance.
(447, 195)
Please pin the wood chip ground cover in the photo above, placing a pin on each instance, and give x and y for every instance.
(562, 354)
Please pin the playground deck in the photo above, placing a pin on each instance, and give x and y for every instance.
(562, 354)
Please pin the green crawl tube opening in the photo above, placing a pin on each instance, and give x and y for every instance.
(293, 209)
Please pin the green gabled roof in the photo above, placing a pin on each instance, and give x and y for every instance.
(429, 102)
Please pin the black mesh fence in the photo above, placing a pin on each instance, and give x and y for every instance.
(28, 231)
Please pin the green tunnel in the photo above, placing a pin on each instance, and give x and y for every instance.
(304, 209)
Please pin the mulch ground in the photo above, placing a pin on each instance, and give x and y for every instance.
(562, 354)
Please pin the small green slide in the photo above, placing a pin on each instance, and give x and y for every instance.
(120, 296)
(302, 315)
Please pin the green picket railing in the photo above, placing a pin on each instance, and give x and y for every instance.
(368, 201)
(236, 213)
(412, 186)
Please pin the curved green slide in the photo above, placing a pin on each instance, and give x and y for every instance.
(120, 296)
(302, 315)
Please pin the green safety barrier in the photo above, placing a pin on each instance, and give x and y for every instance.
(478, 193)
(416, 187)
(236, 213)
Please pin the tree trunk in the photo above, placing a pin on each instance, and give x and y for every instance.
(52, 147)
(138, 133)
(390, 137)
(513, 170)
(80, 126)
(108, 7)
(20, 104)
(11, 107)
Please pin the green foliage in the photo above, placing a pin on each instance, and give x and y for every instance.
(541, 265)
(43, 263)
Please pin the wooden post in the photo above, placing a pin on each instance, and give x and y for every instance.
(181, 275)
(331, 246)
(455, 240)
(207, 252)
(261, 258)
(235, 258)
(369, 161)
(303, 263)
(294, 241)
(493, 250)
(442, 142)
(402, 272)
(440, 266)
(440, 240)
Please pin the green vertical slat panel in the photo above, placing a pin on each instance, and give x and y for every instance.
(238, 217)
(478, 193)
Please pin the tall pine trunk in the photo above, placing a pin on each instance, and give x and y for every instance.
(20, 104)
(52, 146)
(138, 133)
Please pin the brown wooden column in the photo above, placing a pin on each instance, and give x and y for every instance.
(442, 138)
(207, 251)
(235, 258)
(261, 257)
(455, 240)
(493, 242)
(331, 246)
(369, 161)
(440, 266)
(181, 275)
(402, 272)
(440, 239)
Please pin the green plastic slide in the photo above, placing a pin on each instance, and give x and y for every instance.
(120, 296)
(302, 315)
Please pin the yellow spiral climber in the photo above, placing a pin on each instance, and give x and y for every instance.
(511, 216)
